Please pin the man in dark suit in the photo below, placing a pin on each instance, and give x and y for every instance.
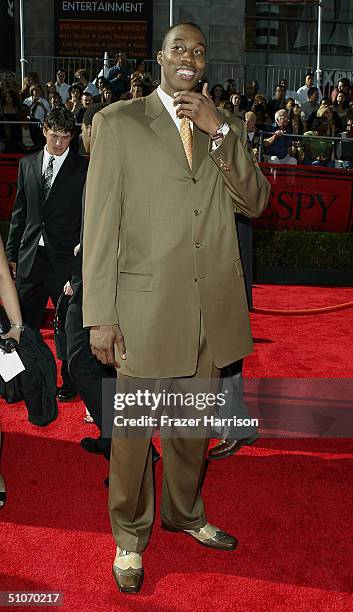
(45, 223)
(233, 439)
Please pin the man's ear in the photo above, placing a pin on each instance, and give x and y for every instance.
(45, 130)
(160, 58)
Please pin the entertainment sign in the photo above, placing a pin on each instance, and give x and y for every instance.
(88, 29)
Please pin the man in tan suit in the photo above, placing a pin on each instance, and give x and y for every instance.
(163, 283)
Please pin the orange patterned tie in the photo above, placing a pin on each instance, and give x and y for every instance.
(186, 138)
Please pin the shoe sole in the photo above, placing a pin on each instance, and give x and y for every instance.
(131, 590)
(231, 453)
(176, 530)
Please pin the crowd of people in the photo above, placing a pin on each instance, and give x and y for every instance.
(23, 109)
(309, 118)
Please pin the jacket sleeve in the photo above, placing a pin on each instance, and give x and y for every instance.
(18, 219)
(103, 201)
(243, 178)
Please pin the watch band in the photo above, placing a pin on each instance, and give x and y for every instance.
(221, 132)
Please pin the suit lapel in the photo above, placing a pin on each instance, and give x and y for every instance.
(37, 171)
(164, 127)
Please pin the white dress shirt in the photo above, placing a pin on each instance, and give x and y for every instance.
(302, 95)
(57, 163)
(168, 103)
(63, 91)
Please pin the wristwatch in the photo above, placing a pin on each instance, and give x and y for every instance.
(221, 132)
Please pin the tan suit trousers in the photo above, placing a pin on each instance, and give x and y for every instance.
(131, 486)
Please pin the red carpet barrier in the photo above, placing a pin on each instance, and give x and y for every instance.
(310, 198)
(307, 198)
(8, 177)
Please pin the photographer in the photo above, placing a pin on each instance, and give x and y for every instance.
(39, 106)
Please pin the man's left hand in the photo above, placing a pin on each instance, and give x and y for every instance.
(199, 108)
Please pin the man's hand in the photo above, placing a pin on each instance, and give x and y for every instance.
(102, 340)
(13, 269)
(199, 108)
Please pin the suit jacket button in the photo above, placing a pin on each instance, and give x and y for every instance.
(194, 180)
(195, 279)
(197, 245)
(197, 212)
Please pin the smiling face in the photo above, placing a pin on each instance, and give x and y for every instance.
(54, 100)
(182, 59)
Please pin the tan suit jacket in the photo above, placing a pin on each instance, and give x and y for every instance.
(160, 244)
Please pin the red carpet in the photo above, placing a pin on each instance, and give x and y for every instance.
(288, 501)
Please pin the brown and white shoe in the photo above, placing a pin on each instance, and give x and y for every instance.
(128, 571)
(209, 536)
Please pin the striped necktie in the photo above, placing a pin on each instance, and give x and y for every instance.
(186, 138)
(47, 177)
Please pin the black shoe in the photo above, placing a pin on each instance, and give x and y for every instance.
(209, 536)
(228, 447)
(97, 446)
(66, 393)
(155, 454)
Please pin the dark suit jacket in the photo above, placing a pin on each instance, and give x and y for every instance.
(58, 218)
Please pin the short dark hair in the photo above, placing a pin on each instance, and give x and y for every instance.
(311, 74)
(182, 23)
(90, 112)
(346, 82)
(76, 86)
(311, 91)
(60, 119)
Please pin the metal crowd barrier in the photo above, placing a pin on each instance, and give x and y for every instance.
(261, 136)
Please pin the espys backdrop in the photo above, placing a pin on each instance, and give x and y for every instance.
(88, 29)
(302, 197)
